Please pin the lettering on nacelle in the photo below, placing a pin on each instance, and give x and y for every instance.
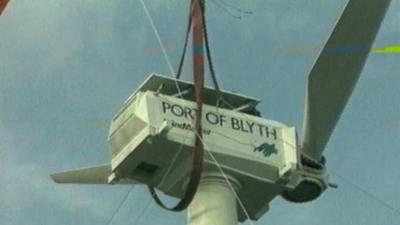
(221, 120)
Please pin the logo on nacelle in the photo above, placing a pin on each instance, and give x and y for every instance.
(266, 149)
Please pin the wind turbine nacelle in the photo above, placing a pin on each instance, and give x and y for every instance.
(152, 140)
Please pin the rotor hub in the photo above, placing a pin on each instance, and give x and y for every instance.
(313, 180)
(307, 190)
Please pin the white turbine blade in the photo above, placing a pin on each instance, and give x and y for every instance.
(91, 175)
(337, 69)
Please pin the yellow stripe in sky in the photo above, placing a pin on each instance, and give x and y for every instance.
(393, 49)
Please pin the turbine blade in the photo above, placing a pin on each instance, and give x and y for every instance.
(91, 175)
(337, 69)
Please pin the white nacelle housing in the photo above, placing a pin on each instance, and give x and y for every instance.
(153, 136)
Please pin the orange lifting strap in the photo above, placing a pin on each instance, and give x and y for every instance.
(3, 4)
(195, 17)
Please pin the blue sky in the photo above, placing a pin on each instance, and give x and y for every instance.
(65, 65)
